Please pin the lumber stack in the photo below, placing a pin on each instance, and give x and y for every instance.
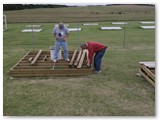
(78, 61)
(147, 70)
(39, 64)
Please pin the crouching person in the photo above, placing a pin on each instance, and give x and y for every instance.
(97, 50)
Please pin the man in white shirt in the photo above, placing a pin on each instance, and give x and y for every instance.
(61, 33)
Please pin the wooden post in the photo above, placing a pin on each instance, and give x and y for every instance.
(36, 58)
(45, 57)
(73, 57)
(78, 58)
(82, 59)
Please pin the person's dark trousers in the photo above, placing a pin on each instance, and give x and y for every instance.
(98, 58)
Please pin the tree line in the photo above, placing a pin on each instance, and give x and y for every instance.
(29, 6)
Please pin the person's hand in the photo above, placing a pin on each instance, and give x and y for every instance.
(65, 38)
(87, 61)
(88, 64)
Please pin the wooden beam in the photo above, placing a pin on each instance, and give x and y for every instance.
(30, 59)
(78, 58)
(51, 71)
(19, 61)
(43, 63)
(148, 64)
(33, 67)
(45, 58)
(47, 75)
(72, 59)
(147, 78)
(82, 59)
(36, 58)
(148, 72)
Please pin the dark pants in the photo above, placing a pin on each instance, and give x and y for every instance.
(98, 58)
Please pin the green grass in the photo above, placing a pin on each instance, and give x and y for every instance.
(117, 91)
(82, 14)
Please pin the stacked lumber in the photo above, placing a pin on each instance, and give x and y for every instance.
(147, 70)
(81, 58)
(39, 64)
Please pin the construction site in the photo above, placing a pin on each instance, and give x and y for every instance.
(35, 85)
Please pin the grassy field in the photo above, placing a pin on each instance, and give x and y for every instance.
(115, 92)
(83, 14)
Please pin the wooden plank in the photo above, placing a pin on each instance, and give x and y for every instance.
(48, 75)
(153, 71)
(47, 52)
(43, 63)
(33, 67)
(73, 57)
(30, 59)
(67, 71)
(149, 64)
(78, 58)
(49, 70)
(37, 56)
(46, 64)
(19, 61)
(45, 58)
(147, 78)
(82, 59)
(148, 72)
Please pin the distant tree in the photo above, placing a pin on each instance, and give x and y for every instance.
(13, 7)
(29, 6)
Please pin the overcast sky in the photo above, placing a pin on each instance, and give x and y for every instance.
(81, 4)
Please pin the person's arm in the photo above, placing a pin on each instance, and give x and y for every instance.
(54, 33)
(90, 56)
(66, 34)
(88, 61)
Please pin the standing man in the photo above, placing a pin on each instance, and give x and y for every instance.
(97, 50)
(61, 33)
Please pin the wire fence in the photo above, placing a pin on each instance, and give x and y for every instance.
(129, 36)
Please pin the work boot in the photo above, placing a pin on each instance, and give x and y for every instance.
(54, 60)
(67, 60)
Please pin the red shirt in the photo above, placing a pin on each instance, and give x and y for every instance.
(94, 47)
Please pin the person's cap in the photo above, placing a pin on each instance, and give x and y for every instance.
(61, 25)
(83, 45)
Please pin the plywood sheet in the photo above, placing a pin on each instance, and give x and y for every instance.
(111, 28)
(31, 30)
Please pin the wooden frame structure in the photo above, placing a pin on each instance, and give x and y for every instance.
(39, 64)
(147, 70)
